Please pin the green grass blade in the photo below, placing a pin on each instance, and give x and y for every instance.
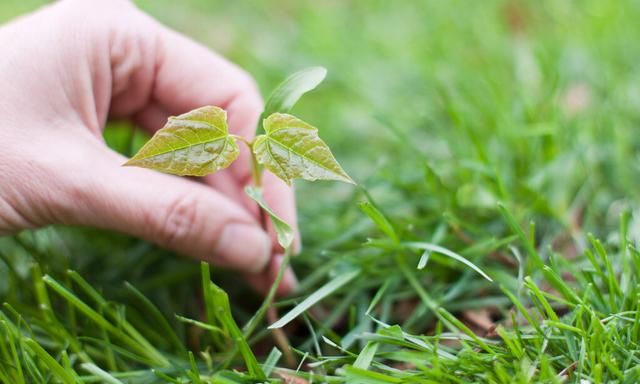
(271, 361)
(526, 241)
(159, 319)
(57, 370)
(444, 251)
(324, 291)
(104, 376)
(220, 301)
(366, 355)
(380, 220)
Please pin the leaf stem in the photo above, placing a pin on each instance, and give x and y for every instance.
(256, 172)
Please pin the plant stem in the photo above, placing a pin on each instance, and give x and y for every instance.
(279, 335)
(256, 175)
(256, 172)
(253, 322)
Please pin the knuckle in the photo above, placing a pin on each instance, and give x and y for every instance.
(11, 221)
(23, 201)
(179, 221)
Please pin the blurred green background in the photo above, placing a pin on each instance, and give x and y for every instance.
(439, 109)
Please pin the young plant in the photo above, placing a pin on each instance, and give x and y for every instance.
(198, 143)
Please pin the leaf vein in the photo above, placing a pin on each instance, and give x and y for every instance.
(301, 155)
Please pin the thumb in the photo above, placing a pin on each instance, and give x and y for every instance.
(185, 216)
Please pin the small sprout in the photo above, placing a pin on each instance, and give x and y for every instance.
(198, 143)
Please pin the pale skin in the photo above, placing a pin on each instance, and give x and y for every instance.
(67, 69)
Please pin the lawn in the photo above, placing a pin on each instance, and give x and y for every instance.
(493, 138)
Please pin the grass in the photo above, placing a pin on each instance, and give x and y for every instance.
(502, 132)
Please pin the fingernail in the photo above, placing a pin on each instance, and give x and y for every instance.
(244, 247)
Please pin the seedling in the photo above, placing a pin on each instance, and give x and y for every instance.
(198, 143)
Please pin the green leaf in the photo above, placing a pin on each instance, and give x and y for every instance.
(283, 230)
(287, 94)
(291, 149)
(196, 143)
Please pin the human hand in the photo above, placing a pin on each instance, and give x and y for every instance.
(68, 68)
